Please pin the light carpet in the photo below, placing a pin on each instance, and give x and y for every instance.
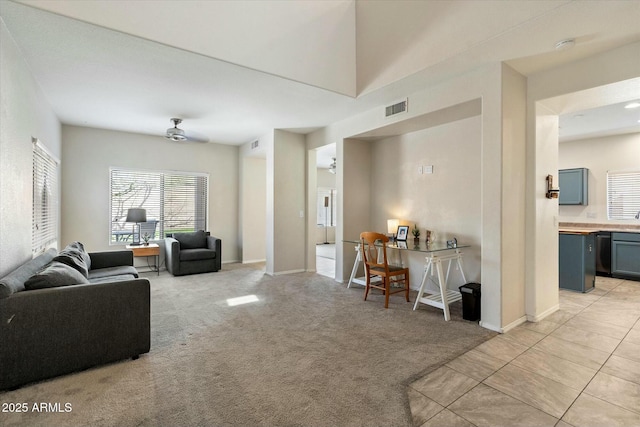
(308, 352)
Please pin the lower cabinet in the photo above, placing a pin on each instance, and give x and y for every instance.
(625, 255)
(577, 261)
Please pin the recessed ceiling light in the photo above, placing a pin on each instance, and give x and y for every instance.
(632, 105)
(565, 44)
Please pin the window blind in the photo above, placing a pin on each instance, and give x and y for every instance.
(174, 201)
(44, 219)
(623, 194)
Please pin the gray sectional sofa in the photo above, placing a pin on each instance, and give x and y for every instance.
(69, 311)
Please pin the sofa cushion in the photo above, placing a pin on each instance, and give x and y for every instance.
(75, 256)
(14, 281)
(54, 275)
(197, 254)
(110, 279)
(112, 271)
(195, 240)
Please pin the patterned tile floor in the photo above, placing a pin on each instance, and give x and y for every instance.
(578, 367)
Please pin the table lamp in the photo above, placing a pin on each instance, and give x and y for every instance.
(392, 227)
(136, 216)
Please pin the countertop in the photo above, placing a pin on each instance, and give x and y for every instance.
(586, 228)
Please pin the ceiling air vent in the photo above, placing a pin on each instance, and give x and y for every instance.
(255, 144)
(398, 108)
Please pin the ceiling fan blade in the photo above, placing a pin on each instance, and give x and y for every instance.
(197, 137)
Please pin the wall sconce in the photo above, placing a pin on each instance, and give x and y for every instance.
(552, 193)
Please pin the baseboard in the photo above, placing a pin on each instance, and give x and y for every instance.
(514, 324)
(231, 262)
(251, 261)
(281, 273)
(490, 327)
(544, 314)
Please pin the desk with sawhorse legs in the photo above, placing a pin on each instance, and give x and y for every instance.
(436, 254)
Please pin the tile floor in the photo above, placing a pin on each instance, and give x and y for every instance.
(578, 367)
(325, 260)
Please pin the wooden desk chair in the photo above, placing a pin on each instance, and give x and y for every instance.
(388, 273)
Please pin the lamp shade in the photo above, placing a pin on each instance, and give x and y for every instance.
(136, 215)
(392, 225)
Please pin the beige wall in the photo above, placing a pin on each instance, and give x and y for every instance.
(24, 114)
(514, 98)
(447, 201)
(286, 203)
(485, 84)
(89, 153)
(599, 155)
(253, 209)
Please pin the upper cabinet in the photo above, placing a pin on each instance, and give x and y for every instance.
(574, 188)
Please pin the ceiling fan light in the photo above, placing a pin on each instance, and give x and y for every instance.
(175, 134)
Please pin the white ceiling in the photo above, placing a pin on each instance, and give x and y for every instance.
(235, 70)
(611, 119)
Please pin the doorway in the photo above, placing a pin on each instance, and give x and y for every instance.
(326, 210)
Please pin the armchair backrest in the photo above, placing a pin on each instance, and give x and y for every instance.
(192, 240)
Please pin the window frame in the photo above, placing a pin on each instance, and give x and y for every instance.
(631, 187)
(50, 167)
(161, 220)
(332, 193)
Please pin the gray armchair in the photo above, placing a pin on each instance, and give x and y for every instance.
(191, 253)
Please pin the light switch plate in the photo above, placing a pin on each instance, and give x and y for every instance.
(428, 169)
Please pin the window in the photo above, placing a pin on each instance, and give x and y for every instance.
(623, 195)
(44, 219)
(174, 201)
(326, 206)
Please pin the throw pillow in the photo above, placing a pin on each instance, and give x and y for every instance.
(75, 256)
(195, 240)
(54, 275)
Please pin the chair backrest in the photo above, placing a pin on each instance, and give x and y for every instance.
(368, 240)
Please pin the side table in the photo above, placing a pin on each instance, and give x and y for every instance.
(152, 249)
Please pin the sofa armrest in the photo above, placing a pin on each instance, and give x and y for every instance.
(172, 255)
(110, 259)
(55, 331)
(216, 244)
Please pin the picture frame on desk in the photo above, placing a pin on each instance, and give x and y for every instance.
(403, 232)
(402, 245)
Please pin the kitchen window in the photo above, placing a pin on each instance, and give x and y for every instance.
(623, 195)
(174, 201)
(44, 218)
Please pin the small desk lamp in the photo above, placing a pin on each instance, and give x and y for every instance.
(136, 215)
(392, 227)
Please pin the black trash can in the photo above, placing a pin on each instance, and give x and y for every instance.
(470, 301)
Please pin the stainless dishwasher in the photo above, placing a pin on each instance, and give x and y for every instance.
(603, 253)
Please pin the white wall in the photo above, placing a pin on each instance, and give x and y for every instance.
(608, 78)
(447, 202)
(599, 155)
(89, 153)
(24, 113)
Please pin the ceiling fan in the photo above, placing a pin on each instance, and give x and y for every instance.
(178, 135)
